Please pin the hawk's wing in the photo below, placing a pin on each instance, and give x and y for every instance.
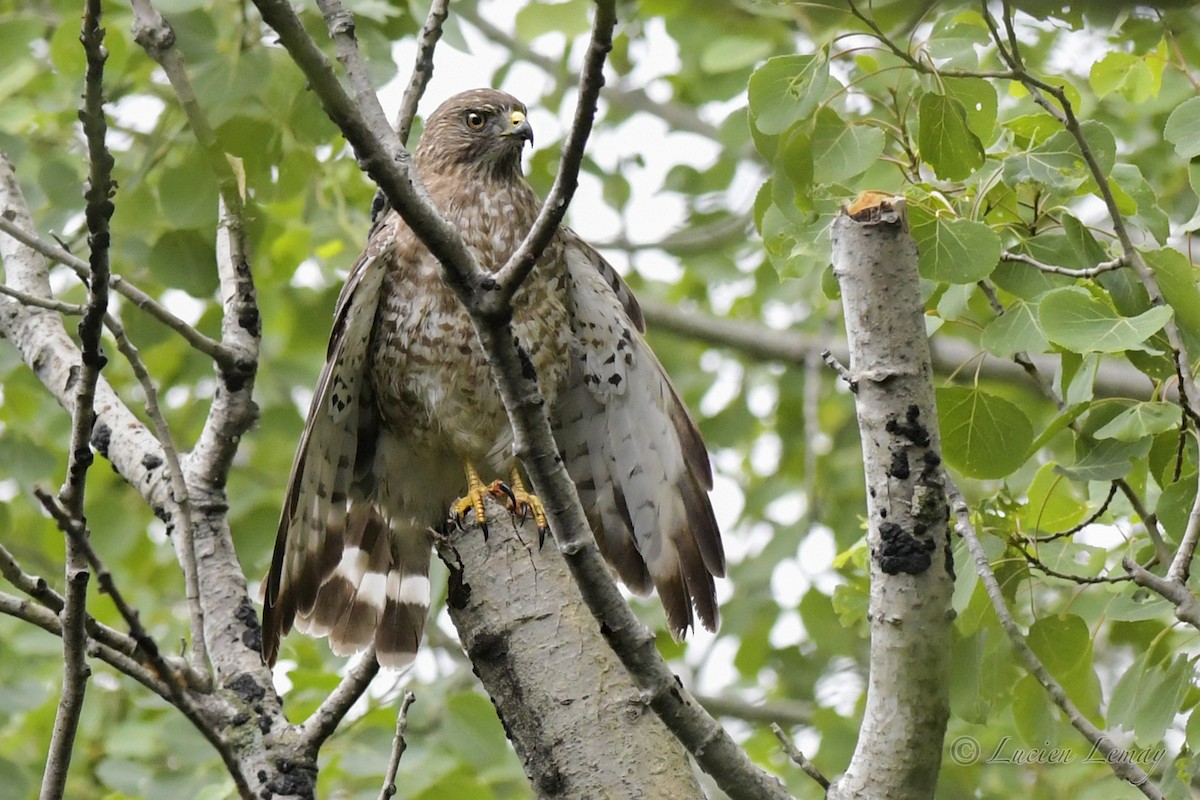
(340, 568)
(639, 463)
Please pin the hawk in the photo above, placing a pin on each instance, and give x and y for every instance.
(406, 405)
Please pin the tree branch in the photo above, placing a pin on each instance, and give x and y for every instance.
(1087, 273)
(1102, 741)
(422, 70)
(136, 296)
(513, 273)
(1187, 606)
(324, 721)
(398, 747)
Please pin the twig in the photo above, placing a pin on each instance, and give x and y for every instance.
(77, 534)
(1064, 112)
(700, 239)
(1037, 564)
(1092, 518)
(798, 758)
(120, 661)
(324, 721)
(1089, 272)
(98, 211)
(790, 712)
(841, 369)
(198, 676)
(1123, 768)
(591, 79)
(1181, 565)
(340, 23)
(398, 747)
(422, 70)
(209, 347)
(1187, 606)
(50, 304)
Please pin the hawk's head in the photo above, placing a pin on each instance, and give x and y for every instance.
(482, 128)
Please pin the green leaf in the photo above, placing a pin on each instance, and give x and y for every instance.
(983, 436)
(1034, 716)
(1141, 420)
(1051, 503)
(1073, 318)
(946, 140)
(979, 102)
(840, 150)
(953, 250)
(1177, 279)
(787, 89)
(1128, 74)
(1017, 330)
(730, 53)
(569, 18)
(1183, 128)
(185, 260)
(1146, 697)
(1064, 646)
(1175, 503)
(187, 195)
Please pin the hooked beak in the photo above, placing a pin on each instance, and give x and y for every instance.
(519, 127)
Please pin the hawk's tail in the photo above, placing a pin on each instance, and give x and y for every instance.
(374, 586)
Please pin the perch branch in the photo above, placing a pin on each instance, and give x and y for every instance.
(399, 745)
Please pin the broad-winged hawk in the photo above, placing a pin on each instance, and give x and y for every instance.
(406, 401)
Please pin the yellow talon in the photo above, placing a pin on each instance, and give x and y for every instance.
(521, 502)
(473, 499)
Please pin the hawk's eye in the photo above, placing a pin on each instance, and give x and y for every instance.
(475, 120)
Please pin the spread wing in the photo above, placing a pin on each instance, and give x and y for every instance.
(634, 453)
(323, 469)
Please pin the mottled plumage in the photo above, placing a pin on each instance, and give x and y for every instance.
(406, 398)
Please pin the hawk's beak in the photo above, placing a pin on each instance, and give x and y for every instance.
(519, 127)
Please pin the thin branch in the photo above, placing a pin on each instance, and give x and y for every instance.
(512, 274)
(324, 721)
(1181, 565)
(399, 745)
(1187, 606)
(209, 347)
(422, 70)
(340, 23)
(77, 534)
(1089, 272)
(1102, 741)
(788, 712)
(841, 369)
(198, 677)
(50, 304)
(1064, 112)
(798, 758)
(1092, 518)
(121, 662)
(1036, 563)
(699, 239)
(98, 211)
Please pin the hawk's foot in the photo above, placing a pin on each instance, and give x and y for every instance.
(472, 500)
(522, 503)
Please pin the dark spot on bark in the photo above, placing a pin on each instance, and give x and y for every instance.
(151, 461)
(488, 647)
(459, 591)
(246, 688)
(551, 782)
(899, 468)
(528, 372)
(241, 718)
(262, 776)
(252, 636)
(911, 428)
(250, 321)
(929, 472)
(101, 437)
(291, 779)
(488, 283)
(72, 376)
(162, 514)
(900, 551)
(615, 380)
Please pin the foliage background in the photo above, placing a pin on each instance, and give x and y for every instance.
(794, 108)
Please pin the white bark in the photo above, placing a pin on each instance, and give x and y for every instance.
(900, 742)
(576, 718)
